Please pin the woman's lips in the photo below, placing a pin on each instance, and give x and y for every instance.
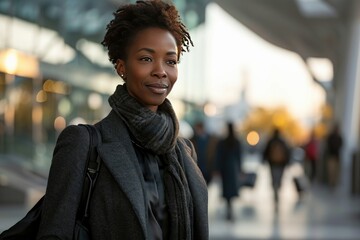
(158, 88)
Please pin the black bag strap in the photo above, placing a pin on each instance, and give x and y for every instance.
(91, 172)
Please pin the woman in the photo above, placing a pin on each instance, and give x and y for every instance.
(149, 185)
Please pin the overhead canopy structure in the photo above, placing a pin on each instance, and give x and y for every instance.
(311, 28)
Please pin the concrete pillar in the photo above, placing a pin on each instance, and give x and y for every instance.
(350, 109)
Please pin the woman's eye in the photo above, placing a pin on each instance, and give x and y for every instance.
(146, 59)
(172, 62)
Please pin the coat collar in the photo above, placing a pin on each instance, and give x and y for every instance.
(118, 154)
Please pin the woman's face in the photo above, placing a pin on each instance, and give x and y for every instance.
(150, 70)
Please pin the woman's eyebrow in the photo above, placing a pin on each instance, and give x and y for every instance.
(153, 51)
(146, 49)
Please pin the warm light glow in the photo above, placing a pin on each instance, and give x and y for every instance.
(41, 96)
(11, 62)
(18, 63)
(59, 123)
(55, 87)
(210, 109)
(253, 138)
(94, 101)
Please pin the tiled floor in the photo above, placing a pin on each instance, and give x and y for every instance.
(319, 214)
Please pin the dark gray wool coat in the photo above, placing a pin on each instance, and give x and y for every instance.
(117, 209)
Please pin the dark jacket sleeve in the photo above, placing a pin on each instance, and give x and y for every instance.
(65, 181)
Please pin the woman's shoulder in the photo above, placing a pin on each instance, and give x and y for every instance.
(74, 139)
(74, 133)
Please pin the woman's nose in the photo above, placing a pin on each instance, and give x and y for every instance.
(159, 71)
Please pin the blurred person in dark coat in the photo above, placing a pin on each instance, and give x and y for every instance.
(229, 161)
(205, 146)
(277, 154)
(149, 185)
(334, 143)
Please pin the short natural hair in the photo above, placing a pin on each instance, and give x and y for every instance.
(131, 18)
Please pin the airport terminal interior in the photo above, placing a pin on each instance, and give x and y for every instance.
(54, 73)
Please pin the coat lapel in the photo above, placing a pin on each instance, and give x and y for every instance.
(120, 158)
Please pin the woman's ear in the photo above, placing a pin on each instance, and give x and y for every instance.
(120, 68)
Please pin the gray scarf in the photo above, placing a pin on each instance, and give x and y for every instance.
(158, 133)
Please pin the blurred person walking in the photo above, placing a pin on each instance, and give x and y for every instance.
(311, 155)
(148, 185)
(334, 142)
(205, 146)
(277, 154)
(229, 161)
